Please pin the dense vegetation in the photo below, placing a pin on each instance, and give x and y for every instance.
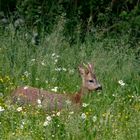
(42, 43)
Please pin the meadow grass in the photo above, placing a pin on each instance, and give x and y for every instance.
(112, 113)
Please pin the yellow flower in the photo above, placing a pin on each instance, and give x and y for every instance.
(87, 113)
(1, 80)
(104, 114)
(23, 78)
(7, 78)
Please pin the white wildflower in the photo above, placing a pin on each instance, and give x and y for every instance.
(48, 118)
(60, 69)
(57, 69)
(46, 123)
(121, 82)
(58, 113)
(54, 89)
(46, 82)
(132, 96)
(53, 54)
(32, 60)
(55, 61)
(39, 103)
(26, 73)
(94, 118)
(64, 69)
(23, 122)
(68, 102)
(19, 22)
(18, 99)
(57, 56)
(83, 116)
(19, 109)
(113, 95)
(22, 125)
(70, 113)
(84, 105)
(1, 109)
(43, 63)
(37, 79)
(53, 115)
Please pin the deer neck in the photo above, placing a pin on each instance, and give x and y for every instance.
(77, 97)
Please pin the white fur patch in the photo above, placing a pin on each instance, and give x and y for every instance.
(26, 87)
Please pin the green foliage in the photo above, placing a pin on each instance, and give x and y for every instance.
(41, 45)
(112, 113)
(81, 16)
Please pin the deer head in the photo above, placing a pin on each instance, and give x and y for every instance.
(89, 80)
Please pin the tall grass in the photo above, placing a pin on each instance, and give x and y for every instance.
(112, 113)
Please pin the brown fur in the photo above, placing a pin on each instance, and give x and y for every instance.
(31, 95)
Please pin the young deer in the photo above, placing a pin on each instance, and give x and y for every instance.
(35, 96)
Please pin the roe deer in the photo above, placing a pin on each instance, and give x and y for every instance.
(35, 96)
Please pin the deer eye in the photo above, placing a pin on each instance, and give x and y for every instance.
(91, 81)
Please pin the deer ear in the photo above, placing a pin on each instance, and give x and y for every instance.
(81, 70)
(90, 67)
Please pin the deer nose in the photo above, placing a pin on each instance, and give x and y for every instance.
(99, 87)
